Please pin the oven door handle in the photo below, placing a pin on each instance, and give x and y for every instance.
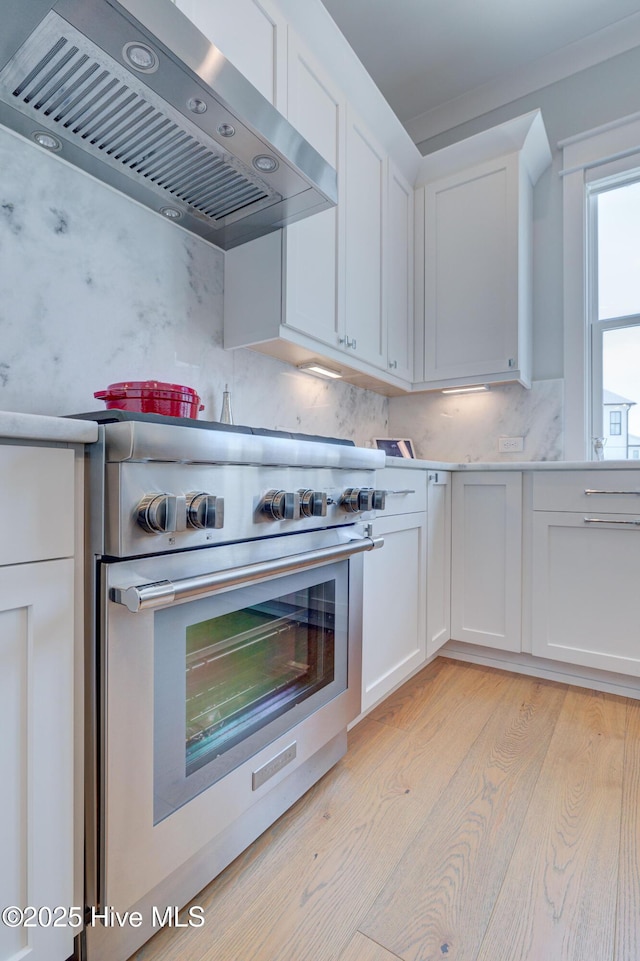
(144, 597)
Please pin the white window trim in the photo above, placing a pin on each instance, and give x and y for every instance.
(615, 146)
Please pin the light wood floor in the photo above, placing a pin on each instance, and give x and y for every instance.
(477, 816)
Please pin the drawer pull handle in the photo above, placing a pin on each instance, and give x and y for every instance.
(389, 493)
(636, 493)
(600, 520)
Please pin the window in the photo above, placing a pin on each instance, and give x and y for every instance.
(615, 422)
(613, 210)
(601, 231)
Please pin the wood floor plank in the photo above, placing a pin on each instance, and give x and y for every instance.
(628, 906)
(439, 899)
(446, 687)
(349, 834)
(436, 818)
(558, 898)
(364, 949)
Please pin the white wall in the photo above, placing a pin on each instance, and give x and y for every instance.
(96, 289)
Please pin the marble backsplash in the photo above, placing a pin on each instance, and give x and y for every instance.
(95, 289)
(465, 427)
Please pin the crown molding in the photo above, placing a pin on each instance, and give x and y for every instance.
(598, 47)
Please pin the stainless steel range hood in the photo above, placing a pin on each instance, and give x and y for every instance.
(134, 94)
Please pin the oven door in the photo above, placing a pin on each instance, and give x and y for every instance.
(232, 668)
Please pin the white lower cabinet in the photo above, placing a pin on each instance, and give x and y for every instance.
(36, 754)
(585, 563)
(438, 560)
(394, 603)
(486, 559)
(37, 704)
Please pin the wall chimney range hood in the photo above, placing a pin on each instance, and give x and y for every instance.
(131, 92)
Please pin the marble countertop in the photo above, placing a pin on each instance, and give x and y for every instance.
(514, 465)
(40, 427)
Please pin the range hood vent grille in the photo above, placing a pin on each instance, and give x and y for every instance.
(71, 87)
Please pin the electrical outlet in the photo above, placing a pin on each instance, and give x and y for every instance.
(510, 445)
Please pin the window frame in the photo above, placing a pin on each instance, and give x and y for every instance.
(595, 186)
(611, 151)
(617, 424)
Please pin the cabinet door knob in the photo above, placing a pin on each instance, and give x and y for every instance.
(393, 364)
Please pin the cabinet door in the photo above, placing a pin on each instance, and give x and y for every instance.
(36, 509)
(251, 34)
(394, 605)
(399, 275)
(36, 753)
(471, 272)
(584, 607)
(438, 560)
(486, 559)
(365, 325)
(314, 247)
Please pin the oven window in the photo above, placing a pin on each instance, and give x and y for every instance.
(234, 671)
(247, 667)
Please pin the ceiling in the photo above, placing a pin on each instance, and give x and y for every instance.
(442, 62)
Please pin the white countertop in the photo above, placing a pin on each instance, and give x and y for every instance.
(515, 465)
(40, 427)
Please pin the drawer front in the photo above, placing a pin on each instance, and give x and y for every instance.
(590, 492)
(36, 509)
(406, 490)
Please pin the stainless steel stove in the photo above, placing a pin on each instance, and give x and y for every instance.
(224, 662)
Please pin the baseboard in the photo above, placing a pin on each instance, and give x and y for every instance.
(540, 667)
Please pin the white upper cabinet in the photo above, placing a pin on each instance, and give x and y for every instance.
(399, 274)
(251, 34)
(477, 255)
(365, 321)
(338, 286)
(313, 247)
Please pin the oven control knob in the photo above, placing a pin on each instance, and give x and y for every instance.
(162, 513)
(313, 503)
(205, 511)
(281, 505)
(356, 499)
(365, 499)
(379, 500)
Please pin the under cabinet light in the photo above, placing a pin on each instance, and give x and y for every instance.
(321, 370)
(465, 390)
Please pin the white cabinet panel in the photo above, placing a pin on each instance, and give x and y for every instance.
(251, 34)
(394, 605)
(486, 564)
(36, 507)
(584, 608)
(405, 489)
(365, 325)
(472, 272)
(438, 560)
(477, 226)
(313, 247)
(588, 491)
(399, 275)
(36, 753)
